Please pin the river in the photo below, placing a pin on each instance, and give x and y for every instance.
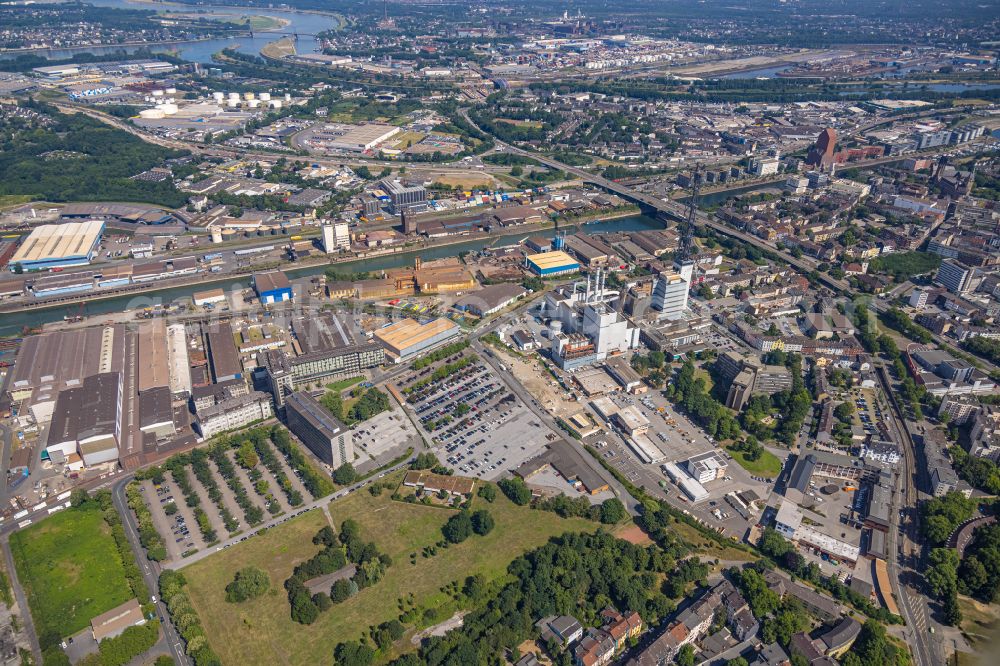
(14, 322)
(303, 23)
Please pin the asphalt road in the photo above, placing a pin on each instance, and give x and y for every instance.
(150, 572)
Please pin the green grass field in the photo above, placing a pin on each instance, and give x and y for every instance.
(261, 631)
(70, 569)
(344, 384)
(767, 466)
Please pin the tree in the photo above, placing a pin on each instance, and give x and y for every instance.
(322, 601)
(249, 583)
(353, 654)
(612, 511)
(951, 610)
(345, 475)
(516, 490)
(341, 591)
(488, 492)
(685, 657)
(482, 522)
(458, 528)
(247, 455)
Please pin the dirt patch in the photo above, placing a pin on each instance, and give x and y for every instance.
(472, 181)
(441, 628)
(634, 534)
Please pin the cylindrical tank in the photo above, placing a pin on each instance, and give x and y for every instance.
(157, 93)
(228, 235)
(233, 103)
(275, 103)
(218, 97)
(248, 96)
(253, 103)
(265, 97)
(168, 109)
(288, 97)
(151, 113)
(556, 326)
(216, 235)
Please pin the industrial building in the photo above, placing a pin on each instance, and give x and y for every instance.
(490, 299)
(50, 362)
(547, 264)
(585, 329)
(156, 414)
(154, 368)
(87, 419)
(336, 237)
(272, 287)
(209, 297)
(407, 338)
(225, 359)
(404, 198)
(329, 439)
(58, 246)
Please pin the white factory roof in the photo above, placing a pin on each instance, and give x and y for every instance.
(645, 448)
(789, 515)
(835, 547)
(693, 489)
(632, 418)
(59, 241)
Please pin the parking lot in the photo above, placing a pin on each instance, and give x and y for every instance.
(382, 438)
(479, 428)
(175, 520)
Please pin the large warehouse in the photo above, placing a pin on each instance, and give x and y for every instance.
(551, 263)
(58, 246)
(407, 338)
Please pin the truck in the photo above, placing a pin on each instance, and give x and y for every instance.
(63, 495)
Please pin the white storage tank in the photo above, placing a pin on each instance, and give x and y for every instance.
(157, 93)
(265, 97)
(151, 113)
(168, 109)
(275, 103)
(288, 97)
(233, 103)
(235, 96)
(218, 97)
(254, 103)
(216, 235)
(171, 91)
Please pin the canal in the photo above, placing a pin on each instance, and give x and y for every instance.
(14, 323)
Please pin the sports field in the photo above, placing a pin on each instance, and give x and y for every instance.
(261, 631)
(70, 570)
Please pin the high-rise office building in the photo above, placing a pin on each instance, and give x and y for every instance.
(670, 293)
(320, 431)
(954, 276)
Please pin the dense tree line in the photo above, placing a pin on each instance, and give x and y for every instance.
(150, 539)
(185, 618)
(988, 348)
(318, 484)
(575, 574)
(337, 552)
(692, 393)
(78, 158)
